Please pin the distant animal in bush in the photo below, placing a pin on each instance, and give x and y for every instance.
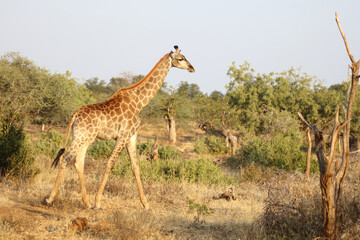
(117, 118)
(228, 195)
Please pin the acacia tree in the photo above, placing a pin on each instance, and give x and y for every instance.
(169, 108)
(175, 106)
(332, 174)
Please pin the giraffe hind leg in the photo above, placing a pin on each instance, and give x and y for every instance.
(63, 160)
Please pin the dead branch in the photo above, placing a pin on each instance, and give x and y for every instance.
(353, 152)
(343, 36)
(308, 156)
(304, 121)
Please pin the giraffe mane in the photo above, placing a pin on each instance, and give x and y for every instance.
(143, 80)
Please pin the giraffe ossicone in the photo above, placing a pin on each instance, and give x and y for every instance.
(117, 118)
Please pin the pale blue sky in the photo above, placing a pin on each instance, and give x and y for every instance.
(104, 38)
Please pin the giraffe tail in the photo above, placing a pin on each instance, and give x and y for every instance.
(62, 151)
(57, 159)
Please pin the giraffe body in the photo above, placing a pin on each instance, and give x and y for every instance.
(117, 118)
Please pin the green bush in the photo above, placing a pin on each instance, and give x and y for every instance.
(200, 146)
(211, 145)
(16, 156)
(101, 148)
(169, 152)
(145, 148)
(195, 170)
(50, 143)
(203, 170)
(282, 151)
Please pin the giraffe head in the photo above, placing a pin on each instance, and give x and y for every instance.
(178, 60)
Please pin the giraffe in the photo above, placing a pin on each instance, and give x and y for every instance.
(116, 118)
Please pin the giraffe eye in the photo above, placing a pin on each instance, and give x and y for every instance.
(180, 59)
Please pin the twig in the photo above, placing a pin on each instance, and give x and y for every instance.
(353, 152)
(304, 121)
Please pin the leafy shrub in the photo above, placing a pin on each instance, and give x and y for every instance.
(101, 148)
(200, 146)
(16, 157)
(283, 151)
(203, 170)
(168, 152)
(274, 152)
(49, 143)
(211, 145)
(145, 148)
(195, 170)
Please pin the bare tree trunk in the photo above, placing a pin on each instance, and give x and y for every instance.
(172, 130)
(308, 156)
(327, 184)
(333, 174)
(233, 143)
(167, 123)
(328, 176)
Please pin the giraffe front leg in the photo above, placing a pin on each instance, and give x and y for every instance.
(131, 147)
(114, 155)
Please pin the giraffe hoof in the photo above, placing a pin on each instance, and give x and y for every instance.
(47, 202)
(146, 207)
(97, 208)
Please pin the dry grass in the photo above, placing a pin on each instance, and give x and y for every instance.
(294, 206)
(23, 216)
(282, 207)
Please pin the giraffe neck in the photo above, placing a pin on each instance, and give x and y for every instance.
(145, 90)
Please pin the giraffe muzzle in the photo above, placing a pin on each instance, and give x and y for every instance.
(191, 69)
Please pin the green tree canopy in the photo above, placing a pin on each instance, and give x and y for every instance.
(254, 94)
(28, 91)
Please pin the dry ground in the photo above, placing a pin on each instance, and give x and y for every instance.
(292, 205)
(23, 216)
